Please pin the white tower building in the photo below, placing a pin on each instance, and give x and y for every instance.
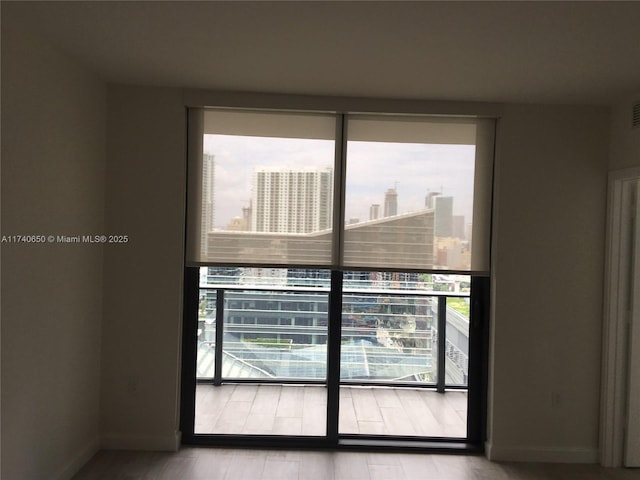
(292, 200)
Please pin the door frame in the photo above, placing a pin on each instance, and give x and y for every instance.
(617, 317)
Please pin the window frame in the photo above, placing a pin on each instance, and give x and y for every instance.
(480, 294)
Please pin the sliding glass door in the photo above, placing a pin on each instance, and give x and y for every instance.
(405, 356)
(265, 373)
(405, 348)
(329, 284)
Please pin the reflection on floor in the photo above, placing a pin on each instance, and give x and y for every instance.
(301, 410)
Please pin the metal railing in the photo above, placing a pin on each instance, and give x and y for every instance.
(280, 334)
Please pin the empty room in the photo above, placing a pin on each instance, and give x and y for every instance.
(320, 239)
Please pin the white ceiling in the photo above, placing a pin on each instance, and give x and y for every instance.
(549, 52)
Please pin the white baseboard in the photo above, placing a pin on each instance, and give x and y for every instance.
(170, 443)
(541, 454)
(74, 465)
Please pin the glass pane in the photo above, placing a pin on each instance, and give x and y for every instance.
(205, 366)
(395, 411)
(387, 329)
(457, 344)
(409, 194)
(275, 321)
(275, 335)
(390, 337)
(267, 188)
(275, 328)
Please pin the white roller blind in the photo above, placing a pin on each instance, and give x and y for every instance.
(483, 196)
(269, 124)
(418, 193)
(263, 184)
(261, 188)
(195, 234)
(412, 129)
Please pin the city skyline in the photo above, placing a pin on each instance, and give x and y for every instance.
(373, 168)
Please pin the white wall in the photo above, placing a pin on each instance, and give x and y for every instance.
(549, 241)
(548, 283)
(143, 278)
(625, 140)
(53, 162)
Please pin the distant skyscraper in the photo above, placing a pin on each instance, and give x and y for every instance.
(390, 203)
(428, 201)
(444, 216)
(458, 227)
(246, 216)
(374, 211)
(292, 201)
(208, 203)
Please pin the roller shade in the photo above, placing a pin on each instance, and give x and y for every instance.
(266, 189)
(262, 188)
(427, 184)
(269, 124)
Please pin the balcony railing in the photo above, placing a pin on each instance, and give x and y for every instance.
(279, 333)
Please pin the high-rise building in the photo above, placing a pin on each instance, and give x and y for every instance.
(443, 216)
(458, 227)
(428, 201)
(390, 203)
(292, 200)
(208, 199)
(374, 211)
(246, 216)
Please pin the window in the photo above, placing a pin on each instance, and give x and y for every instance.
(338, 250)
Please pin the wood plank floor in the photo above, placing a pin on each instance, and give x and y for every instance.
(402, 411)
(239, 464)
(301, 410)
(261, 409)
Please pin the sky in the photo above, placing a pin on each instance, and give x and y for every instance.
(372, 168)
